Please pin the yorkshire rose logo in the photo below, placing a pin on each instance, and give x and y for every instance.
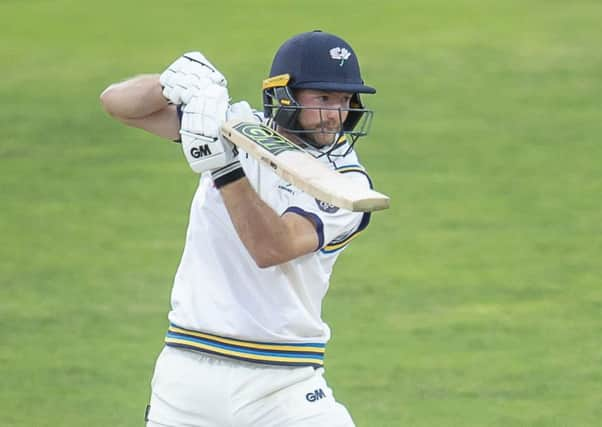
(326, 207)
(340, 53)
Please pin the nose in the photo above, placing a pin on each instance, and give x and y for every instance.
(332, 113)
(336, 114)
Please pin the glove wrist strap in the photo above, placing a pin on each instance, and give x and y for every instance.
(227, 174)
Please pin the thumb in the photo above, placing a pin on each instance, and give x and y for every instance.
(241, 111)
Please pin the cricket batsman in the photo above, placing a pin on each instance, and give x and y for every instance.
(246, 341)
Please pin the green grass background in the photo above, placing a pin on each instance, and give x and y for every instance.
(474, 301)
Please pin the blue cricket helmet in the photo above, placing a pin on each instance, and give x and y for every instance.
(320, 61)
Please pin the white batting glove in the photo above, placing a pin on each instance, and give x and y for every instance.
(232, 170)
(205, 153)
(187, 75)
(206, 111)
(203, 148)
(242, 111)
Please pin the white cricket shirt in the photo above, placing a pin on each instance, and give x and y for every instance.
(220, 298)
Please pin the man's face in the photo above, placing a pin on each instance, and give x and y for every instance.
(327, 111)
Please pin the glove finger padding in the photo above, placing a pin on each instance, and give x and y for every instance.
(200, 66)
(183, 78)
(206, 111)
(241, 111)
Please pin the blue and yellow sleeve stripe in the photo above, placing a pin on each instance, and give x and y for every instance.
(337, 245)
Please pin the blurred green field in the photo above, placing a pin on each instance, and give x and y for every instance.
(474, 301)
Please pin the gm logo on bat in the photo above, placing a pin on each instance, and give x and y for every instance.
(266, 137)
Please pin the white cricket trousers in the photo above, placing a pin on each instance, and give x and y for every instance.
(194, 389)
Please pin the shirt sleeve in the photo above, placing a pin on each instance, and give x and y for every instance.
(335, 226)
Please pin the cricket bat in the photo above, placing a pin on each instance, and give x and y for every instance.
(301, 169)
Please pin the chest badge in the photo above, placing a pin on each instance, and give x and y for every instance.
(326, 207)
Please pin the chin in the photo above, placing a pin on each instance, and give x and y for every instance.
(324, 140)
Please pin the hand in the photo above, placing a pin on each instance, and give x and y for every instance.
(187, 75)
(204, 153)
(203, 148)
(206, 111)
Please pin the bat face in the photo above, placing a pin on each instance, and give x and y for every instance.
(301, 169)
(266, 137)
